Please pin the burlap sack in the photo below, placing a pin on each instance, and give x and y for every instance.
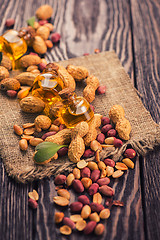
(106, 66)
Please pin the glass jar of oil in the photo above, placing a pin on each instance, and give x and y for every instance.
(75, 108)
(47, 86)
(12, 45)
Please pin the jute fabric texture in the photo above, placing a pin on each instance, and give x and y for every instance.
(145, 134)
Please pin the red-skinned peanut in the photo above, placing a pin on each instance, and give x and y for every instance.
(103, 181)
(84, 200)
(90, 227)
(76, 206)
(111, 133)
(60, 179)
(67, 221)
(86, 172)
(109, 162)
(95, 175)
(100, 138)
(105, 121)
(106, 128)
(130, 153)
(117, 142)
(106, 190)
(96, 207)
(78, 186)
(93, 189)
(88, 153)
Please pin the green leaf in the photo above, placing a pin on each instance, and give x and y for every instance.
(31, 21)
(45, 151)
(1, 57)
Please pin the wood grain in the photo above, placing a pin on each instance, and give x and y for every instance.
(146, 35)
(84, 26)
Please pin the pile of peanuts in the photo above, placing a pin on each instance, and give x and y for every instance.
(85, 214)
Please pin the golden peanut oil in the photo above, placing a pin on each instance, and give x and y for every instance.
(46, 86)
(12, 45)
(76, 110)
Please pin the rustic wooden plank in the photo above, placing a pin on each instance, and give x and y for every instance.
(81, 34)
(16, 219)
(146, 35)
(105, 31)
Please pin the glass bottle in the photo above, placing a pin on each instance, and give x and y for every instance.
(12, 45)
(75, 108)
(47, 85)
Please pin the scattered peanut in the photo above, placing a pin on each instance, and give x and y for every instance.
(99, 229)
(80, 225)
(105, 213)
(63, 193)
(58, 217)
(128, 162)
(61, 201)
(66, 230)
(23, 144)
(82, 164)
(117, 174)
(94, 217)
(85, 212)
(76, 217)
(97, 198)
(18, 130)
(121, 166)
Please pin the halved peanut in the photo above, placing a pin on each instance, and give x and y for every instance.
(94, 217)
(87, 182)
(82, 164)
(110, 171)
(105, 213)
(70, 179)
(97, 198)
(63, 193)
(27, 137)
(29, 131)
(121, 166)
(28, 125)
(101, 165)
(66, 230)
(58, 217)
(80, 225)
(128, 162)
(61, 201)
(117, 174)
(85, 212)
(76, 217)
(33, 195)
(103, 173)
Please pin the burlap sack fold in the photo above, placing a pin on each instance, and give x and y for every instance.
(145, 134)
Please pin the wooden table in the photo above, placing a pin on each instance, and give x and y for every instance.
(132, 29)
